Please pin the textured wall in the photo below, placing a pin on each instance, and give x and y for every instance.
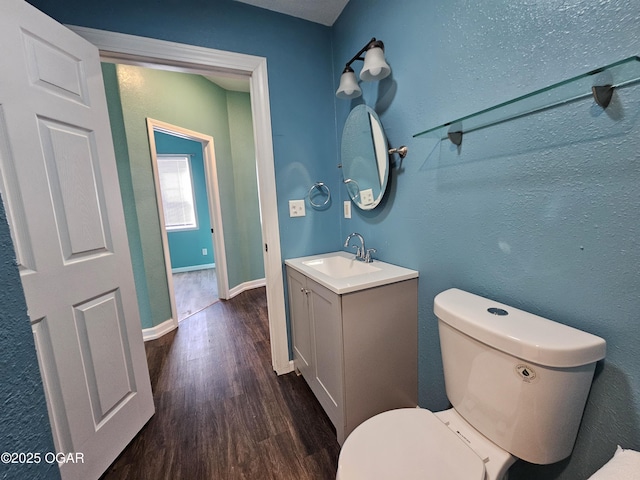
(119, 134)
(249, 259)
(24, 422)
(542, 212)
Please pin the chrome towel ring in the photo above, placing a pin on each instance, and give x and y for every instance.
(319, 188)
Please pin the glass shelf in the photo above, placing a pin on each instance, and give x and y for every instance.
(599, 83)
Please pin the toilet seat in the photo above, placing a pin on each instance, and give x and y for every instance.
(408, 443)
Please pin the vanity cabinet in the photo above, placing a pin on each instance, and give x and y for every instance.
(357, 350)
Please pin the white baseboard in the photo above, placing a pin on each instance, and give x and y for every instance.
(167, 326)
(193, 268)
(156, 332)
(287, 369)
(260, 282)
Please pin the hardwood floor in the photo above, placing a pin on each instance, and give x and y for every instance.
(194, 291)
(221, 411)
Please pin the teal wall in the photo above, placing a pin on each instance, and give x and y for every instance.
(194, 103)
(119, 134)
(185, 246)
(24, 422)
(542, 212)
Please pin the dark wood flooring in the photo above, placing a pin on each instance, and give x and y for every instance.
(221, 411)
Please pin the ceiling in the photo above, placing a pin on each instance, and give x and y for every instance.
(235, 84)
(324, 12)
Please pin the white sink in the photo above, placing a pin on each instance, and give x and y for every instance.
(341, 273)
(338, 266)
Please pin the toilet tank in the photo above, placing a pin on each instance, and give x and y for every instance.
(521, 380)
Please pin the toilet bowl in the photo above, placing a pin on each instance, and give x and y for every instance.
(518, 384)
(416, 444)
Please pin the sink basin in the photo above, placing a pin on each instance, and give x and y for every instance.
(338, 266)
(341, 273)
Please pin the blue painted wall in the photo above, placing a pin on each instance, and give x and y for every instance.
(24, 422)
(543, 212)
(185, 247)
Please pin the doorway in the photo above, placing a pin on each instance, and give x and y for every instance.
(207, 217)
(129, 49)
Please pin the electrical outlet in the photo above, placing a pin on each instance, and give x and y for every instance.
(296, 208)
(204, 251)
(366, 196)
(347, 209)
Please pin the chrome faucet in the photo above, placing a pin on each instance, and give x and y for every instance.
(362, 253)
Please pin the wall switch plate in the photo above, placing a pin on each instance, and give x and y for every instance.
(204, 251)
(347, 209)
(366, 196)
(296, 208)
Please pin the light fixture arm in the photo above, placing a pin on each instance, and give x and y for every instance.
(375, 68)
(358, 56)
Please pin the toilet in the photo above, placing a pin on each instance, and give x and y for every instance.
(518, 384)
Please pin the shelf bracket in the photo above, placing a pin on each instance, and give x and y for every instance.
(455, 137)
(402, 151)
(602, 94)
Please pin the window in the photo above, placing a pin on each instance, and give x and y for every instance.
(176, 187)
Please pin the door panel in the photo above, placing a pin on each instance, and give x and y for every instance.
(300, 322)
(70, 161)
(60, 186)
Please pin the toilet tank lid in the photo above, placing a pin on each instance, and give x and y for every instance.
(518, 333)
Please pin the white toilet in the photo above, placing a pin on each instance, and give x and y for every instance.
(518, 384)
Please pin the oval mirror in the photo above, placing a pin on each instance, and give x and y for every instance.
(365, 157)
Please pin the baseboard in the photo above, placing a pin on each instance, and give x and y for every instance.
(193, 268)
(156, 332)
(289, 367)
(237, 290)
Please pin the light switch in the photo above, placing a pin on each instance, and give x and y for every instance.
(296, 208)
(347, 209)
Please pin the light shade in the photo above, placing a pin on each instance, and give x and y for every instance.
(375, 66)
(349, 87)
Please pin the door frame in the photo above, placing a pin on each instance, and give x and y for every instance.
(213, 202)
(142, 51)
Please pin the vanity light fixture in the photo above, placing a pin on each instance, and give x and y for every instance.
(375, 68)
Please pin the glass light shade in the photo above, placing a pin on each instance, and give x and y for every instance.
(349, 87)
(375, 66)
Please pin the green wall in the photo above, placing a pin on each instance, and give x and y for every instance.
(248, 249)
(194, 103)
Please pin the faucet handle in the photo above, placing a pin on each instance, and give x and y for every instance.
(358, 252)
(367, 256)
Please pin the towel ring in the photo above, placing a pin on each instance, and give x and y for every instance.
(322, 190)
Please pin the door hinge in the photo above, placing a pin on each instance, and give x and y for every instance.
(266, 247)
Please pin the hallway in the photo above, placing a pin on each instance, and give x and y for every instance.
(221, 411)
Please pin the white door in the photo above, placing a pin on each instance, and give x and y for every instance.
(59, 183)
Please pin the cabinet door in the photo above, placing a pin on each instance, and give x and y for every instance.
(326, 320)
(300, 322)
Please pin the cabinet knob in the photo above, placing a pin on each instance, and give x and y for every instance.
(305, 291)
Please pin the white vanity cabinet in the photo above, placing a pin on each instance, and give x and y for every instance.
(356, 350)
